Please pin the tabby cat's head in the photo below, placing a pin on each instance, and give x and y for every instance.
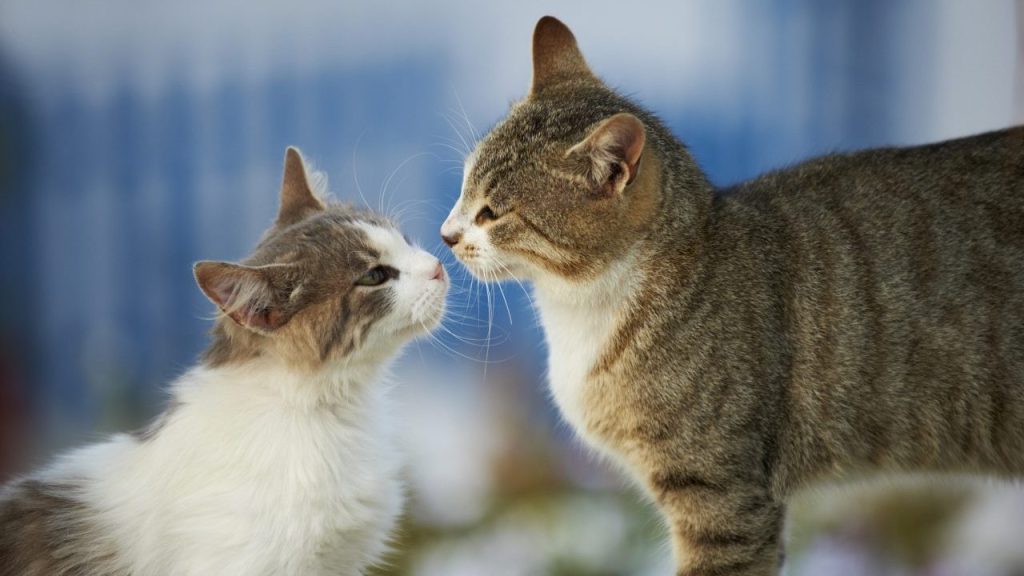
(565, 184)
(327, 282)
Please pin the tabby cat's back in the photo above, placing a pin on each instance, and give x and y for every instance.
(899, 289)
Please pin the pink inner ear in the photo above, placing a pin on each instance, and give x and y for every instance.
(262, 318)
(240, 293)
(220, 292)
(266, 319)
(616, 146)
(625, 138)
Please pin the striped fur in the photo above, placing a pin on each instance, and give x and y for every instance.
(853, 315)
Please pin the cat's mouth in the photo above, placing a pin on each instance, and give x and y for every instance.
(490, 271)
(429, 309)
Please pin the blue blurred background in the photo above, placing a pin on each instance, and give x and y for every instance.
(138, 137)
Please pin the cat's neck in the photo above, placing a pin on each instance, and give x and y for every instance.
(579, 319)
(275, 382)
(608, 290)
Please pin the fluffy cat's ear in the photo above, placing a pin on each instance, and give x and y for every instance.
(247, 294)
(297, 197)
(556, 56)
(613, 152)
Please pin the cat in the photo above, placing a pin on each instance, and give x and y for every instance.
(855, 314)
(276, 455)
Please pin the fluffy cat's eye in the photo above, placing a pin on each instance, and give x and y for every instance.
(377, 276)
(485, 215)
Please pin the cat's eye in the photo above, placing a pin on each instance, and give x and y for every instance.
(485, 215)
(377, 276)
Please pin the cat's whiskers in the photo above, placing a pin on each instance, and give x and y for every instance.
(473, 341)
(355, 172)
(400, 212)
(466, 147)
(463, 319)
(490, 325)
(529, 295)
(471, 321)
(474, 288)
(385, 185)
(465, 118)
(455, 146)
(441, 345)
(504, 268)
(464, 144)
(494, 278)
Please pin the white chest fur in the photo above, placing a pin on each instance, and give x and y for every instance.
(576, 334)
(240, 481)
(579, 323)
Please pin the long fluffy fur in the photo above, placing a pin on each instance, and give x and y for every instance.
(276, 455)
(247, 474)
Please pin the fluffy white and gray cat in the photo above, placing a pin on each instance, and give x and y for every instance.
(275, 455)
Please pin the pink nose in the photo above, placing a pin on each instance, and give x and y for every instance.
(438, 273)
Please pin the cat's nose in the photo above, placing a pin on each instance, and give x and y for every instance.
(438, 273)
(450, 232)
(451, 239)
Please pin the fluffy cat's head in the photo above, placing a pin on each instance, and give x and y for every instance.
(327, 283)
(568, 182)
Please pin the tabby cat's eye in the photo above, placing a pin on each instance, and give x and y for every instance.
(377, 276)
(485, 215)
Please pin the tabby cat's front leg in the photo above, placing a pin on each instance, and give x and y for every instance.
(720, 528)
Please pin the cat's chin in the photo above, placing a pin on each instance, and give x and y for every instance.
(425, 323)
(493, 273)
(429, 324)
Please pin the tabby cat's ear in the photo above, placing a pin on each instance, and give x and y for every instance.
(556, 56)
(297, 197)
(247, 294)
(613, 151)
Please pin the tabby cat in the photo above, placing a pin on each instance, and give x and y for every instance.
(852, 315)
(276, 454)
